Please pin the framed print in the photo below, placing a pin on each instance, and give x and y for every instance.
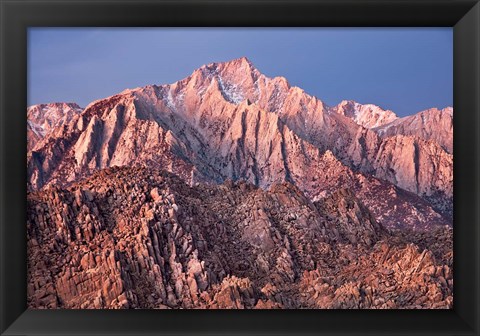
(240, 168)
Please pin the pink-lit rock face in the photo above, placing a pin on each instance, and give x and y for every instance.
(43, 118)
(271, 190)
(227, 120)
(366, 115)
(432, 124)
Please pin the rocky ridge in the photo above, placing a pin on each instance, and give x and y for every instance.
(43, 118)
(229, 189)
(134, 237)
(432, 124)
(366, 115)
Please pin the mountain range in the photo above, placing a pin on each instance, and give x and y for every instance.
(228, 121)
(360, 176)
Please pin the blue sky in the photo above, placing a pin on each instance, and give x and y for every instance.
(402, 69)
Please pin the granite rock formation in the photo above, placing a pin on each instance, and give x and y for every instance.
(229, 189)
(135, 237)
(43, 118)
(366, 115)
(432, 124)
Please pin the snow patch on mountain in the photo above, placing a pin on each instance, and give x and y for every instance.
(169, 100)
(231, 92)
(366, 115)
(36, 128)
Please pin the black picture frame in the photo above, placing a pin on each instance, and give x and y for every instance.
(17, 15)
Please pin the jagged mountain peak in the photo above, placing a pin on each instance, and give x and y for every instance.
(225, 123)
(366, 115)
(50, 112)
(448, 110)
(355, 104)
(54, 105)
(236, 63)
(237, 80)
(431, 124)
(238, 67)
(44, 118)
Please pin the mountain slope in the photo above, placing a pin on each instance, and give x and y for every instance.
(432, 124)
(228, 121)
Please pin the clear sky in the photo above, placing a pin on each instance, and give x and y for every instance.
(402, 69)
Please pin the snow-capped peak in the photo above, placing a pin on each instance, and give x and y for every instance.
(366, 115)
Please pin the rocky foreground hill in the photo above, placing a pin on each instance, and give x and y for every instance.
(143, 238)
(230, 189)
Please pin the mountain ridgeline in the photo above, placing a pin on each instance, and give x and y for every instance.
(230, 189)
(228, 121)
